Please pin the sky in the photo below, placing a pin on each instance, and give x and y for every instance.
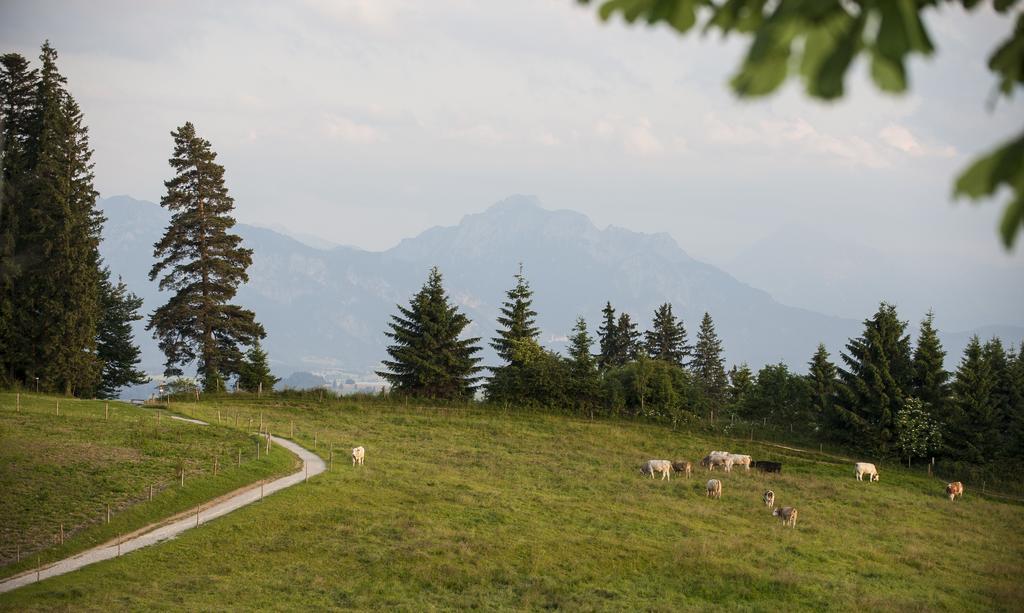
(366, 122)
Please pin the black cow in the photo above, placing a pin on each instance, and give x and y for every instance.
(768, 467)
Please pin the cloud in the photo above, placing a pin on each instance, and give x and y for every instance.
(637, 137)
(346, 130)
(900, 138)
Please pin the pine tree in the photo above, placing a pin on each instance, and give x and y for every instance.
(708, 365)
(584, 378)
(875, 381)
(608, 337)
(628, 339)
(1003, 389)
(115, 344)
(517, 319)
(666, 340)
(973, 430)
(203, 264)
(930, 381)
(821, 379)
(741, 384)
(254, 374)
(1014, 426)
(18, 84)
(428, 357)
(58, 232)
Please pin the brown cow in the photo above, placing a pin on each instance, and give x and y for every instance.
(787, 514)
(954, 489)
(683, 467)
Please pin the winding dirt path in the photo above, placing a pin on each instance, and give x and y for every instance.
(169, 528)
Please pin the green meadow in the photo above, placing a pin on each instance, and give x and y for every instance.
(469, 508)
(64, 465)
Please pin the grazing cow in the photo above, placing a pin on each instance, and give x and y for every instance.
(358, 454)
(657, 466)
(955, 489)
(717, 458)
(787, 514)
(769, 498)
(740, 460)
(683, 467)
(768, 467)
(715, 488)
(865, 468)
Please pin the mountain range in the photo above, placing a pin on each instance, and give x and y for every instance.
(326, 309)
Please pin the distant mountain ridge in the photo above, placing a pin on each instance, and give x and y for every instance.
(327, 309)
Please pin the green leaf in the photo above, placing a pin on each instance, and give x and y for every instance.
(1013, 219)
(888, 75)
(1004, 166)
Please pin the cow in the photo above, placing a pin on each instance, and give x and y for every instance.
(358, 454)
(954, 490)
(714, 488)
(657, 466)
(768, 467)
(684, 467)
(740, 460)
(768, 498)
(787, 514)
(865, 468)
(718, 458)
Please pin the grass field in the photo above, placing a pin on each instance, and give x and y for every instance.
(460, 509)
(66, 468)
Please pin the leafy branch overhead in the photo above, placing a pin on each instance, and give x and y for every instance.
(819, 40)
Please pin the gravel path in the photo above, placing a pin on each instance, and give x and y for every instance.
(154, 533)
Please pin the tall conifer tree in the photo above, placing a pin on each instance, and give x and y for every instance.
(608, 338)
(666, 340)
(428, 357)
(517, 319)
(203, 263)
(18, 85)
(254, 374)
(973, 431)
(708, 364)
(875, 381)
(115, 344)
(585, 381)
(56, 292)
(628, 339)
(821, 379)
(930, 381)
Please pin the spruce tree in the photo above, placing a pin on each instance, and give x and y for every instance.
(56, 294)
(930, 382)
(17, 94)
(584, 378)
(608, 338)
(628, 340)
(666, 340)
(517, 319)
(973, 430)
(115, 344)
(821, 379)
(875, 381)
(1014, 426)
(741, 384)
(203, 263)
(254, 374)
(708, 365)
(1003, 389)
(429, 358)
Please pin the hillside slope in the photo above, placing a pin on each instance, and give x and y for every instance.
(456, 510)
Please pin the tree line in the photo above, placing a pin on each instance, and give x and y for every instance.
(65, 323)
(885, 396)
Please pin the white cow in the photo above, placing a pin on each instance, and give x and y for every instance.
(865, 468)
(358, 454)
(714, 488)
(657, 466)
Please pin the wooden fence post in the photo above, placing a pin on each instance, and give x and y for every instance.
(268, 441)
(18, 407)
(182, 476)
(315, 434)
(108, 513)
(197, 517)
(61, 533)
(293, 429)
(261, 421)
(151, 491)
(58, 408)
(106, 410)
(239, 456)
